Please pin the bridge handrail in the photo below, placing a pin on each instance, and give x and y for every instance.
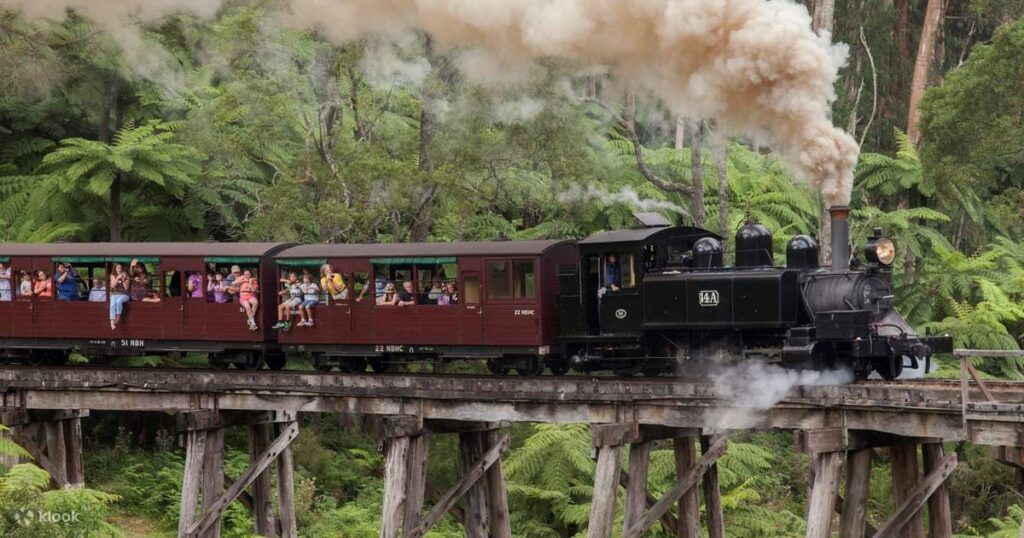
(967, 369)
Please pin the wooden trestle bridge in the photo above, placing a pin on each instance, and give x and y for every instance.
(835, 424)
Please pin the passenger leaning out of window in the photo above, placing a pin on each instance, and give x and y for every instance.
(407, 295)
(98, 292)
(217, 289)
(43, 286)
(25, 289)
(248, 287)
(390, 297)
(450, 295)
(119, 283)
(292, 294)
(5, 283)
(310, 298)
(194, 285)
(333, 283)
(232, 281)
(66, 280)
(140, 286)
(436, 290)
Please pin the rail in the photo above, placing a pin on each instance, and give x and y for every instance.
(967, 369)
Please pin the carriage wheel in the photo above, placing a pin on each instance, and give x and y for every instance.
(497, 367)
(276, 361)
(532, 367)
(354, 365)
(321, 364)
(35, 358)
(379, 366)
(250, 361)
(559, 367)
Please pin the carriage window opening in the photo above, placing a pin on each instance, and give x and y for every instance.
(7, 284)
(471, 289)
(433, 283)
(524, 282)
(97, 284)
(172, 284)
(499, 280)
(359, 283)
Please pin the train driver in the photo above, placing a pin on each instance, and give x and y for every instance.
(612, 272)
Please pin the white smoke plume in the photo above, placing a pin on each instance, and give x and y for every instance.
(122, 18)
(626, 196)
(749, 389)
(755, 66)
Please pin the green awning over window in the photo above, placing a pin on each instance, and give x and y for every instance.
(104, 259)
(5, 259)
(302, 262)
(232, 259)
(413, 261)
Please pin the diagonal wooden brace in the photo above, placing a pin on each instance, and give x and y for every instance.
(917, 498)
(459, 489)
(258, 465)
(685, 482)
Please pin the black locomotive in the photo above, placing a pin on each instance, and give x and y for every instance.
(659, 299)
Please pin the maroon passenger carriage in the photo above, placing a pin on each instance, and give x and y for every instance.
(506, 311)
(39, 330)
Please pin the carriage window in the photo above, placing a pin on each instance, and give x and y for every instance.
(172, 284)
(471, 289)
(7, 284)
(523, 282)
(359, 283)
(499, 276)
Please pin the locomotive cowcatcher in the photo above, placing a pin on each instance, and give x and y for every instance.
(659, 298)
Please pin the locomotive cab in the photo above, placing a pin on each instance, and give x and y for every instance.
(602, 299)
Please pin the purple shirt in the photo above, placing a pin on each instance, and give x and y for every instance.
(197, 285)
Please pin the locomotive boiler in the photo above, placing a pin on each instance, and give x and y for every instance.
(661, 299)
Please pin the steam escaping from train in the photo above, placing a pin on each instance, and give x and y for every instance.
(754, 387)
(755, 66)
(625, 196)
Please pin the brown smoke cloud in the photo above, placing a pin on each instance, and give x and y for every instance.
(755, 66)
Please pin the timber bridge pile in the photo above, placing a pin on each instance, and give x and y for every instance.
(44, 406)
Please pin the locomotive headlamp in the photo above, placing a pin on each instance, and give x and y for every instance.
(880, 250)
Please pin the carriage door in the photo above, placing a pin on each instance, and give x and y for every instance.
(471, 310)
(193, 308)
(361, 284)
(174, 291)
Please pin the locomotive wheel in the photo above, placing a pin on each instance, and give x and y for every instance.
(276, 361)
(559, 367)
(889, 369)
(532, 367)
(497, 367)
(353, 365)
(250, 361)
(321, 364)
(379, 366)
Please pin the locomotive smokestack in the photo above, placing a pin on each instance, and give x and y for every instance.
(840, 237)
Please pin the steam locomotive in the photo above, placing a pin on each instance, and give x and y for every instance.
(660, 299)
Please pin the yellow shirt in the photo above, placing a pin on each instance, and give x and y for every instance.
(334, 286)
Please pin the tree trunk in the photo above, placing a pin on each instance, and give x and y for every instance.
(823, 15)
(899, 30)
(697, 195)
(721, 166)
(115, 208)
(422, 218)
(922, 65)
(680, 132)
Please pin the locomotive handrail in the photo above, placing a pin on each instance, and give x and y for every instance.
(966, 368)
